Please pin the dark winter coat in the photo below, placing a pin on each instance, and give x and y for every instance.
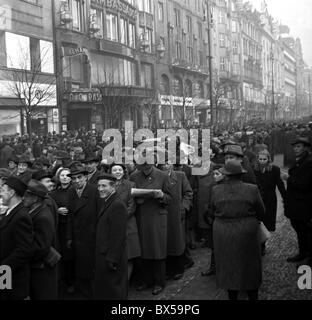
(81, 229)
(16, 240)
(111, 247)
(299, 190)
(43, 279)
(133, 242)
(152, 214)
(267, 183)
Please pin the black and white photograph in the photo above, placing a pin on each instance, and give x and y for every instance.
(155, 150)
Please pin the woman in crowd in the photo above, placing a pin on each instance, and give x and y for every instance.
(268, 178)
(123, 189)
(237, 208)
(60, 195)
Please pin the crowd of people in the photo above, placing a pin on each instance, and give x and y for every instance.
(70, 224)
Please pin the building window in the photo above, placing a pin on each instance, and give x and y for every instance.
(131, 35)
(190, 54)
(235, 47)
(73, 68)
(146, 76)
(17, 51)
(160, 11)
(177, 18)
(222, 40)
(200, 58)
(77, 10)
(189, 24)
(96, 18)
(178, 50)
(145, 6)
(222, 64)
(46, 56)
(200, 30)
(111, 27)
(124, 31)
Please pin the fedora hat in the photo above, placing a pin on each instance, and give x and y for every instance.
(233, 149)
(232, 168)
(41, 174)
(77, 168)
(17, 185)
(304, 140)
(37, 188)
(91, 159)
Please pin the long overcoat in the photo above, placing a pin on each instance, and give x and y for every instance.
(43, 279)
(152, 214)
(111, 233)
(16, 239)
(298, 202)
(81, 229)
(133, 242)
(181, 202)
(237, 207)
(267, 182)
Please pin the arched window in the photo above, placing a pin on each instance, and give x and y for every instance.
(164, 85)
(177, 87)
(188, 88)
(199, 90)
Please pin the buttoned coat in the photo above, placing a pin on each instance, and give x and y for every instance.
(16, 239)
(133, 242)
(298, 202)
(181, 203)
(81, 229)
(152, 214)
(111, 236)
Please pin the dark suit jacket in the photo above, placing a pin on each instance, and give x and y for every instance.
(81, 229)
(111, 247)
(93, 179)
(16, 239)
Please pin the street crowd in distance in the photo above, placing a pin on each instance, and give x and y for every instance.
(73, 227)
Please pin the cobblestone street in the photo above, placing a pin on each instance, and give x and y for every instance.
(279, 277)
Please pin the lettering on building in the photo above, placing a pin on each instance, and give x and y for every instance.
(118, 5)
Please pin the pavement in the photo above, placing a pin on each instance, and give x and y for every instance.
(279, 277)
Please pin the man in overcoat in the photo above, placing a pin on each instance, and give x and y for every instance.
(43, 277)
(152, 214)
(299, 198)
(82, 208)
(181, 202)
(16, 239)
(91, 164)
(111, 272)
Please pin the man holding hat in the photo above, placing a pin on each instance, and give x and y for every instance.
(82, 213)
(43, 279)
(16, 239)
(111, 271)
(299, 198)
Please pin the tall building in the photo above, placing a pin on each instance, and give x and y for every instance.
(182, 70)
(100, 44)
(27, 75)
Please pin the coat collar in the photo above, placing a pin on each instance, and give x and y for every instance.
(83, 200)
(5, 220)
(106, 204)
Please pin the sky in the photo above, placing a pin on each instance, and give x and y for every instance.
(297, 14)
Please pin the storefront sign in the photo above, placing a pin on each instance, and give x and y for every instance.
(71, 52)
(182, 101)
(122, 6)
(84, 97)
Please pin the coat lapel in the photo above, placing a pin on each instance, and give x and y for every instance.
(105, 205)
(5, 220)
(83, 200)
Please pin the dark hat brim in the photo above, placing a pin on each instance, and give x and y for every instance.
(304, 142)
(74, 173)
(228, 173)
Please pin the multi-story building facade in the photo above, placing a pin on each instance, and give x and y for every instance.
(182, 71)
(307, 80)
(27, 74)
(101, 43)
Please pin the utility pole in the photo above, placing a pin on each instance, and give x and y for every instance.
(209, 21)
